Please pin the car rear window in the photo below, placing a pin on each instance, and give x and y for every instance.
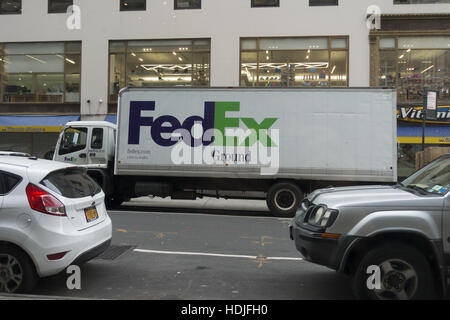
(71, 183)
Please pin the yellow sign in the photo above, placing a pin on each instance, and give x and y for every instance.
(428, 140)
(31, 129)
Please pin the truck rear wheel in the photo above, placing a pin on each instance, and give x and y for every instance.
(283, 199)
(403, 274)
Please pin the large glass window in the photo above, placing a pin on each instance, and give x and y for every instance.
(188, 4)
(323, 3)
(265, 3)
(10, 6)
(59, 6)
(133, 5)
(40, 72)
(412, 64)
(294, 62)
(157, 63)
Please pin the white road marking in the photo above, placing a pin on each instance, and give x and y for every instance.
(215, 255)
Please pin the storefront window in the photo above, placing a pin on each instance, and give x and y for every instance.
(294, 62)
(40, 72)
(158, 63)
(414, 64)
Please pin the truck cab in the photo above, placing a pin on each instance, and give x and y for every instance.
(86, 143)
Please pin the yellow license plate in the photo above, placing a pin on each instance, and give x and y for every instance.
(91, 214)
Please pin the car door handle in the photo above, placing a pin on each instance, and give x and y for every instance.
(82, 155)
(92, 154)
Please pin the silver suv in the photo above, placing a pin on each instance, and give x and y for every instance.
(393, 240)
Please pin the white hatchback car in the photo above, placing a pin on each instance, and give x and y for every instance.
(52, 215)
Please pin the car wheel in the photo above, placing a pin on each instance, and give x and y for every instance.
(402, 273)
(17, 273)
(283, 199)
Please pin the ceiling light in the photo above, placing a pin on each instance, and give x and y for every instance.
(430, 67)
(34, 58)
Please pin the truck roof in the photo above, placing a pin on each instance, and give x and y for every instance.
(91, 123)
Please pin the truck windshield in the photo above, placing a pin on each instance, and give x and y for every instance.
(71, 183)
(73, 139)
(433, 178)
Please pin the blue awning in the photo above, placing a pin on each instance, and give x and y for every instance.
(430, 131)
(34, 123)
(111, 118)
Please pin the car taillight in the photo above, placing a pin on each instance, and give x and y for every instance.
(44, 202)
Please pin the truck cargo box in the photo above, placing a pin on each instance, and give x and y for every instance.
(332, 134)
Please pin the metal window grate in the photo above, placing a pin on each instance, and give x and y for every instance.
(114, 251)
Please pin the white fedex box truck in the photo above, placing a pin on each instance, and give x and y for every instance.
(259, 143)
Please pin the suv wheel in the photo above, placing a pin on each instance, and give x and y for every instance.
(17, 274)
(404, 274)
(283, 199)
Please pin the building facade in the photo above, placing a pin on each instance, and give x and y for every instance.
(56, 63)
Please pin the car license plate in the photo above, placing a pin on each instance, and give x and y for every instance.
(91, 214)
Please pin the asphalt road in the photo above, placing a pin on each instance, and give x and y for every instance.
(178, 255)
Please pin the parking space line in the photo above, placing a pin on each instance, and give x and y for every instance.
(216, 255)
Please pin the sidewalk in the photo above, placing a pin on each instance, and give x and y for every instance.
(204, 203)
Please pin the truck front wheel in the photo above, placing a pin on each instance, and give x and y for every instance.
(283, 199)
(394, 272)
(113, 202)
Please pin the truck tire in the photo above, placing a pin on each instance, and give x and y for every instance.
(283, 199)
(404, 274)
(17, 272)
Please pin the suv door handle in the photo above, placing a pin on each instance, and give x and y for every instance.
(82, 155)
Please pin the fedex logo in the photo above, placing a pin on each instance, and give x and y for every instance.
(215, 124)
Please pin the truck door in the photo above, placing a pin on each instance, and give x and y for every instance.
(98, 146)
(72, 146)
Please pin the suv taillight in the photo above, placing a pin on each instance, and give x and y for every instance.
(44, 202)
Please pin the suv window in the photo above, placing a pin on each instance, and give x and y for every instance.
(71, 183)
(97, 138)
(8, 182)
(73, 139)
